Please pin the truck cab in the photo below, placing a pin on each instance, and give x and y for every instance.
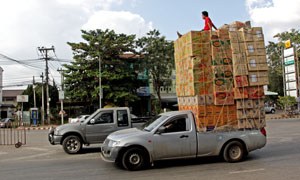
(92, 130)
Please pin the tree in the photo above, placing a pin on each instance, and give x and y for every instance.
(158, 59)
(286, 102)
(119, 78)
(53, 93)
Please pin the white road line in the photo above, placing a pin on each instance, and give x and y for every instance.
(3, 153)
(246, 171)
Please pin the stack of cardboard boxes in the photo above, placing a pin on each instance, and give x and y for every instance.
(220, 76)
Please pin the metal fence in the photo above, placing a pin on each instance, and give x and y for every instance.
(13, 135)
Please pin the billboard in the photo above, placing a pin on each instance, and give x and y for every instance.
(290, 73)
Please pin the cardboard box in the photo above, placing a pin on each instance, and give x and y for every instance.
(209, 99)
(259, 103)
(250, 48)
(236, 36)
(259, 78)
(238, 48)
(222, 71)
(240, 70)
(239, 58)
(259, 123)
(236, 25)
(257, 34)
(240, 93)
(241, 81)
(223, 84)
(223, 34)
(224, 98)
(246, 34)
(244, 104)
(257, 63)
(210, 110)
(246, 124)
(256, 92)
(257, 113)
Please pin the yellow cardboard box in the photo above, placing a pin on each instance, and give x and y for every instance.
(240, 70)
(259, 78)
(257, 63)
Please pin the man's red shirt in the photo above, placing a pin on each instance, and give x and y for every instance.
(208, 24)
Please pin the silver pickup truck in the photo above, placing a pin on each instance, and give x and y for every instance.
(174, 135)
(92, 130)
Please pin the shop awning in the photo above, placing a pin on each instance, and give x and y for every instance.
(270, 93)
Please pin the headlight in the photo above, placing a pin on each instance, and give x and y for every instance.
(56, 131)
(113, 143)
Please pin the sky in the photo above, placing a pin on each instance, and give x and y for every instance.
(26, 25)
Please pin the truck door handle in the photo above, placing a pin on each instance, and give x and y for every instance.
(184, 136)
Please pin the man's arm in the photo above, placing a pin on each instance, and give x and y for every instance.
(214, 26)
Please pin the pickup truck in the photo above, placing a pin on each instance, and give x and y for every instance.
(92, 130)
(174, 135)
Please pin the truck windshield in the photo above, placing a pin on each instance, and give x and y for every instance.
(150, 125)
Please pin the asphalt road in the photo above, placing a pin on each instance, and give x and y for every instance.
(37, 160)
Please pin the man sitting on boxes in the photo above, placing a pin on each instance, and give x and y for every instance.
(208, 24)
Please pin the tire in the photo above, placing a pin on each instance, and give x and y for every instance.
(72, 144)
(234, 151)
(134, 159)
(273, 111)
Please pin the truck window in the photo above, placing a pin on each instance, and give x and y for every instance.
(122, 117)
(105, 117)
(176, 125)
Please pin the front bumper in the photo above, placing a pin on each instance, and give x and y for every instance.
(110, 154)
(54, 139)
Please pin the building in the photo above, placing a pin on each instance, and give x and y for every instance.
(9, 102)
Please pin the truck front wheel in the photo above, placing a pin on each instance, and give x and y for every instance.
(234, 151)
(134, 159)
(72, 144)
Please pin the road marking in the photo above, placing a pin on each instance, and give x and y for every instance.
(246, 171)
(37, 149)
(3, 153)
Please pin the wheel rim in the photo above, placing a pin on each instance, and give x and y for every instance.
(134, 159)
(73, 144)
(235, 152)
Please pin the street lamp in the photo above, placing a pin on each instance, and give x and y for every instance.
(100, 84)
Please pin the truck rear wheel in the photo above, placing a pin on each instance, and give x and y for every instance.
(72, 144)
(233, 152)
(134, 159)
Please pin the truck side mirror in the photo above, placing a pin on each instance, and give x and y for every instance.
(92, 121)
(161, 130)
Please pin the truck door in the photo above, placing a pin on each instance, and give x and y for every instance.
(178, 140)
(100, 126)
(122, 119)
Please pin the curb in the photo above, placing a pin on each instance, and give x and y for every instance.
(35, 128)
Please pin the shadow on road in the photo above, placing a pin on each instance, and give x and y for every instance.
(87, 150)
(186, 162)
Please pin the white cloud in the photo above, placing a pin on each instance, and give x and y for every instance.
(120, 21)
(26, 25)
(274, 15)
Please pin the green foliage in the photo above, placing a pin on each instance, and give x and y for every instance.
(119, 78)
(286, 102)
(158, 58)
(53, 93)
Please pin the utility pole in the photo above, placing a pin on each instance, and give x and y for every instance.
(43, 107)
(44, 51)
(61, 95)
(100, 85)
(34, 97)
